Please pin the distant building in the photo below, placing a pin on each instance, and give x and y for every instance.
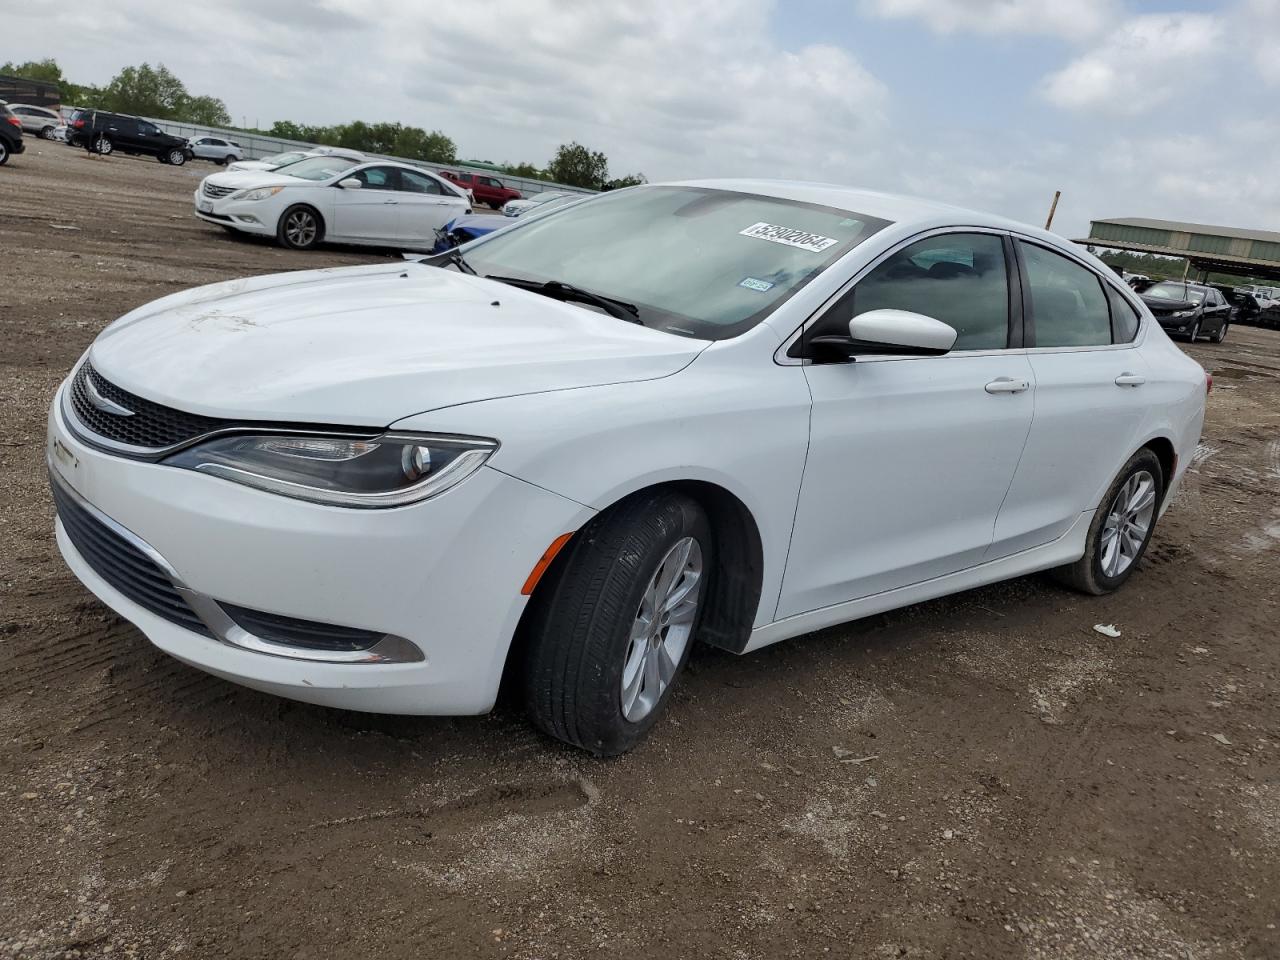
(34, 92)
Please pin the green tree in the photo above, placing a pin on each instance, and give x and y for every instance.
(417, 144)
(209, 111)
(527, 170)
(630, 180)
(577, 166)
(146, 90)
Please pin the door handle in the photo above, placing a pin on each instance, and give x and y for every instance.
(1130, 380)
(390, 201)
(1007, 385)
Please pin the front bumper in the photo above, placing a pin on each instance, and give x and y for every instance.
(444, 575)
(249, 216)
(1177, 325)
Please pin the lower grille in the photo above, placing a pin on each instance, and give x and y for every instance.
(122, 564)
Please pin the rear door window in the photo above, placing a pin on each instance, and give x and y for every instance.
(1068, 305)
(412, 182)
(1124, 317)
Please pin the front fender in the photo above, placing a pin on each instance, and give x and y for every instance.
(724, 420)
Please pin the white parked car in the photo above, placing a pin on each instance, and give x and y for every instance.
(513, 208)
(727, 411)
(217, 149)
(38, 121)
(331, 198)
(293, 156)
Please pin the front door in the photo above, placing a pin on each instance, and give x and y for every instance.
(369, 213)
(910, 457)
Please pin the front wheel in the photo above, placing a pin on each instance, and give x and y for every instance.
(612, 629)
(299, 228)
(1121, 528)
(4, 153)
(1194, 334)
(176, 157)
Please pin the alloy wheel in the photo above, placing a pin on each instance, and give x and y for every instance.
(1128, 523)
(300, 228)
(662, 629)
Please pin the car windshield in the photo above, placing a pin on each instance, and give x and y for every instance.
(316, 168)
(545, 197)
(696, 262)
(280, 159)
(1174, 291)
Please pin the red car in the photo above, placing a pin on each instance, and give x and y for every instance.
(484, 188)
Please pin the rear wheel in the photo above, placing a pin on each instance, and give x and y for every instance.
(299, 228)
(1121, 528)
(103, 145)
(1222, 332)
(612, 629)
(228, 160)
(46, 133)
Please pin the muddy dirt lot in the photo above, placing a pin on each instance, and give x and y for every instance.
(982, 776)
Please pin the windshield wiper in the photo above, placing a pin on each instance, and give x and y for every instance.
(453, 256)
(567, 291)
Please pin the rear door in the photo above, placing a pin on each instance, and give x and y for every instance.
(426, 205)
(122, 131)
(910, 457)
(370, 213)
(1089, 403)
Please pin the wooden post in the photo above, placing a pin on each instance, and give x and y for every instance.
(1053, 208)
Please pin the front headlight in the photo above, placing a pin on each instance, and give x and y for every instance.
(385, 471)
(1184, 313)
(259, 194)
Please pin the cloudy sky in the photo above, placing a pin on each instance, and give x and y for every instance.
(1150, 108)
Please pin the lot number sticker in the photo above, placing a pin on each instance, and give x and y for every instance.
(788, 235)
(751, 283)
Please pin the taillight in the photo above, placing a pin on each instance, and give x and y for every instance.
(77, 124)
(15, 121)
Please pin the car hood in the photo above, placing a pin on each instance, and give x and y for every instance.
(248, 179)
(366, 346)
(1159, 305)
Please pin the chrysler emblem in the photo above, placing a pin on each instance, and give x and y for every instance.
(104, 404)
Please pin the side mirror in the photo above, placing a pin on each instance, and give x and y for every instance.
(351, 183)
(891, 332)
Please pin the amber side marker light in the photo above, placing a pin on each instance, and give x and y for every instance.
(544, 561)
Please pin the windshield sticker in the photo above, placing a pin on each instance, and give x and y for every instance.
(751, 283)
(788, 235)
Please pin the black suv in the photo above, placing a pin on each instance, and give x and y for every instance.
(104, 132)
(10, 134)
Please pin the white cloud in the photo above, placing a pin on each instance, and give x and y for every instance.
(1065, 18)
(1259, 21)
(1142, 64)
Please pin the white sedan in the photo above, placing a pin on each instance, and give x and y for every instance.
(378, 203)
(726, 411)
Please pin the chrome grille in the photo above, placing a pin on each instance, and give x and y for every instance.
(149, 428)
(215, 192)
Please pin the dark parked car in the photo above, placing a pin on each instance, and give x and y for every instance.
(1190, 310)
(10, 134)
(105, 133)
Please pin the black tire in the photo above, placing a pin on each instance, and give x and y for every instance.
(1222, 333)
(102, 145)
(4, 153)
(175, 157)
(291, 233)
(228, 160)
(580, 630)
(1086, 574)
(1194, 334)
(46, 133)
